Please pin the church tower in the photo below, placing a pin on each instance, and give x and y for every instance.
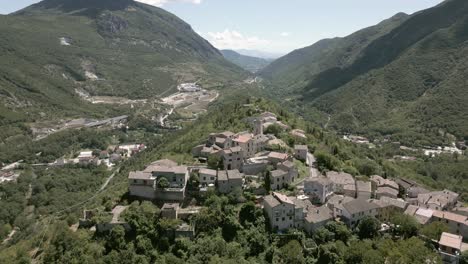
(258, 127)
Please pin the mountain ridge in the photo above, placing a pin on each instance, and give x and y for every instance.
(406, 83)
(127, 49)
(250, 63)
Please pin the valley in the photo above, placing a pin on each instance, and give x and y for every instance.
(127, 137)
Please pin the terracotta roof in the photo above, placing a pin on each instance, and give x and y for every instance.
(271, 201)
(243, 139)
(451, 240)
(451, 216)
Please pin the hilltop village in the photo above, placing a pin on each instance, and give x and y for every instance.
(290, 189)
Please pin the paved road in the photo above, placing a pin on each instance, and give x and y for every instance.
(109, 179)
(310, 162)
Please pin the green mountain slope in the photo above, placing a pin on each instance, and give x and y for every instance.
(295, 69)
(406, 83)
(248, 63)
(117, 48)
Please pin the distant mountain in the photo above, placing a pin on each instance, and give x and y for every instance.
(259, 54)
(407, 80)
(296, 68)
(101, 47)
(248, 63)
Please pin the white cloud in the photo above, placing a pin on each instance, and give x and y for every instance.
(160, 3)
(231, 39)
(285, 34)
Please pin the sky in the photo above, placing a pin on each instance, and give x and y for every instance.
(274, 26)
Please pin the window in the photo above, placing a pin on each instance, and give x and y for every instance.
(134, 181)
(144, 182)
(282, 219)
(277, 219)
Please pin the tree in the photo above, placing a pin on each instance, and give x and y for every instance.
(340, 231)
(363, 252)
(290, 253)
(412, 250)
(323, 236)
(274, 129)
(434, 230)
(116, 239)
(214, 162)
(163, 183)
(247, 214)
(464, 258)
(368, 227)
(229, 228)
(268, 181)
(405, 225)
(326, 161)
(329, 253)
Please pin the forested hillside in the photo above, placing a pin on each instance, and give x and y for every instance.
(55, 50)
(248, 63)
(230, 228)
(408, 81)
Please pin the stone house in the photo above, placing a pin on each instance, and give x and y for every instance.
(247, 144)
(364, 189)
(457, 224)
(316, 218)
(357, 209)
(289, 167)
(170, 210)
(233, 158)
(386, 192)
(450, 247)
(335, 204)
(229, 180)
(207, 176)
(300, 152)
(319, 189)
(389, 207)
(343, 183)
(440, 200)
(145, 183)
(301, 208)
(280, 211)
(279, 179)
(276, 157)
(142, 184)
